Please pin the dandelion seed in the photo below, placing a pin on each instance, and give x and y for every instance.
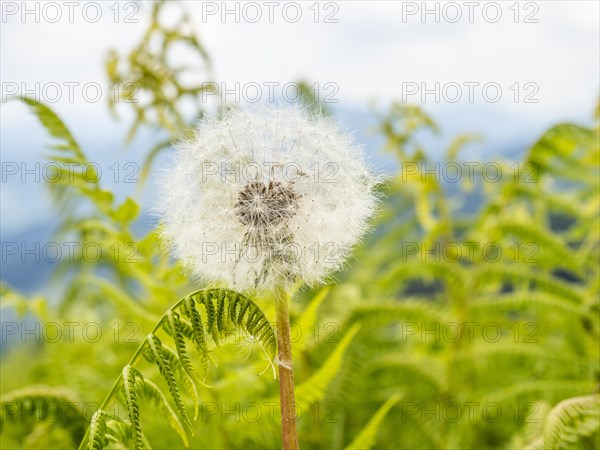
(266, 197)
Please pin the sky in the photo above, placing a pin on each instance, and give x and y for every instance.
(506, 70)
(373, 50)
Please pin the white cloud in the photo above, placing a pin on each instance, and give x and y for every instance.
(369, 53)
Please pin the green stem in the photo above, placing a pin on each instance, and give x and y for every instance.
(289, 435)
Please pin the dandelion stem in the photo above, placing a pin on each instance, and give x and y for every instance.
(289, 434)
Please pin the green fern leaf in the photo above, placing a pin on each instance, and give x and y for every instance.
(366, 438)
(99, 429)
(313, 389)
(129, 376)
(57, 129)
(43, 404)
(176, 326)
(182, 323)
(149, 390)
(167, 371)
(572, 421)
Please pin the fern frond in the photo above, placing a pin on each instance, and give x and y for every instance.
(68, 152)
(314, 388)
(175, 327)
(428, 371)
(119, 436)
(482, 362)
(113, 292)
(129, 378)
(160, 354)
(573, 421)
(553, 248)
(97, 439)
(11, 298)
(564, 150)
(151, 391)
(57, 129)
(309, 315)
(548, 389)
(540, 301)
(366, 438)
(216, 311)
(37, 404)
(450, 274)
(408, 309)
(538, 280)
(536, 444)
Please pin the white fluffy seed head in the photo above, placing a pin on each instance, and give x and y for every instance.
(266, 197)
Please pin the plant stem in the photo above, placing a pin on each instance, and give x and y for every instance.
(289, 435)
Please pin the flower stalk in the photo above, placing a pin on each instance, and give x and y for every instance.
(289, 435)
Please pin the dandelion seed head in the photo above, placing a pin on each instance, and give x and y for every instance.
(265, 205)
(264, 197)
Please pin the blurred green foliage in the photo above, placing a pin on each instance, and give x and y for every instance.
(426, 341)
